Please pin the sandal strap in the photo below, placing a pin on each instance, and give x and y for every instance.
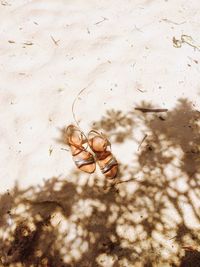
(81, 162)
(98, 134)
(80, 147)
(78, 152)
(111, 163)
(70, 142)
(101, 135)
(102, 155)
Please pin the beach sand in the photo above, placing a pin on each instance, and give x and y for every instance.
(122, 55)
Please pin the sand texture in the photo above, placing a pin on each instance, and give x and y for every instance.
(123, 56)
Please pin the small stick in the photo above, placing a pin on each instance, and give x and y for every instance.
(101, 21)
(189, 40)
(173, 22)
(126, 181)
(73, 105)
(5, 4)
(55, 42)
(50, 151)
(138, 29)
(121, 182)
(64, 149)
(142, 91)
(145, 110)
(11, 41)
(28, 43)
(173, 237)
(142, 141)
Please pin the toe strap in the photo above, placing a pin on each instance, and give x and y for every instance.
(111, 163)
(82, 162)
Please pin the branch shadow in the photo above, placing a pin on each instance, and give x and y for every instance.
(145, 219)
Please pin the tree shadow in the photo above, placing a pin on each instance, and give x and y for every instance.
(191, 258)
(145, 219)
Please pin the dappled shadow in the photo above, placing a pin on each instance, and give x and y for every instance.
(145, 219)
(191, 258)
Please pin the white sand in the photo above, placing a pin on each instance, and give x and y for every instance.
(122, 52)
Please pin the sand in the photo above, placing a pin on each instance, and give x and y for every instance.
(126, 54)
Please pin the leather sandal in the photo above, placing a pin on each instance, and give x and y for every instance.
(100, 145)
(83, 159)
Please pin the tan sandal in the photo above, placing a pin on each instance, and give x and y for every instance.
(104, 157)
(83, 159)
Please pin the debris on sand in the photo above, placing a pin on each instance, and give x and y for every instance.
(145, 110)
(187, 40)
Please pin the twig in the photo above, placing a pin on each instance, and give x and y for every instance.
(193, 60)
(173, 237)
(185, 39)
(73, 105)
(189, 40)
(142, 91)
(142, 141)
(55, 42)
(5, 4)
(126, 181)
(120, 182)
(161, 118)
(64, 149)
(101, 21)
(173, 22)
(176, 43)
(50, 151)
(138, 29)
(28, 43)
(145, 110)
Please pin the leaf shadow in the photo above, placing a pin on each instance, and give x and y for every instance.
(139, 221)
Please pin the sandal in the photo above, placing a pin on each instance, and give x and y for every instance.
(83, 159)
(102, 149)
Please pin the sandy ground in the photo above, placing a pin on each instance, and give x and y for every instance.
(126, 54)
